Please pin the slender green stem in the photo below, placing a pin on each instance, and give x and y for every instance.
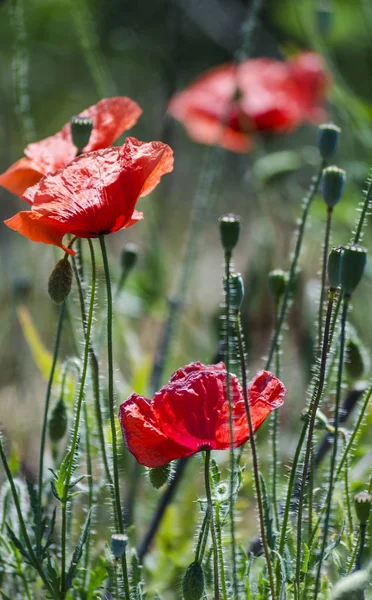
(207, 458)
(220, 553)
(94, 366)
(314, 404)
(354, 554)
(274, 431)
(34, 561)
(90, 490)
(347, 498)
(63, 548)
(335, 443)
(45, 424)
(256, 470)
(202, 538)
(231, 425)
(293, 268)
(363, 214)
(22, 575)
(112, 411)
(324, 276)
(362, 540)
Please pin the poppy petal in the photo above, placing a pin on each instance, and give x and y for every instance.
(52, 153)
(21, 175)
(144, 165)
(39, 228)
(195, 367)
(143, 437)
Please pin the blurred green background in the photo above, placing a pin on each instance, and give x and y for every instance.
(60, 56)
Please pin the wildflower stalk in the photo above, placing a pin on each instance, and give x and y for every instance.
(364, 213)
(231, 426)
(324, 276)
(90, 490)
(362, 541)
(111, 403)
(346, 302)
(79, 403)
(34, 561)
(293, 268)
(45, 424)
(256, 470)
(207, 458)
(220, 552)
(274, 430)
(203, 536)
(310, 425)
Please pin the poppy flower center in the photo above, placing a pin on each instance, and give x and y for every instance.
(204, 447)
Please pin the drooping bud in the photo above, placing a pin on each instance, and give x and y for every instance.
(334, 266)
(58, 421)
(229, 231)
(193, 582)
(118, 544)
(278, 280)
(160, 475)
(129, 257)
(332, 185)
(236, 288)
(353, 261)
(328, 140)
(363, 503)
(60, 281)
(81, 129)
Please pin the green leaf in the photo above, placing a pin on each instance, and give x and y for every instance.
(267, 517)
(18, 544)
(283, 578)
(78, 552)
(305, 559)
(13, 461)
(215, 472)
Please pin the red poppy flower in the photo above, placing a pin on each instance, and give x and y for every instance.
(95, 194)
(191, 413)
(228, 103)
(110, 116)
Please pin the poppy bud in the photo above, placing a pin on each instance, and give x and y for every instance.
(334, 266)
(328, 140)
(60, 280)
(229, 231)
(81, 128)
(159, 475)
(332, 185)
(118, 544)
(353, 261)
(356, 358)
(278, 280)
(193, 582)
(236, 288)
(129, 257)
(58, 421)
(363, 502)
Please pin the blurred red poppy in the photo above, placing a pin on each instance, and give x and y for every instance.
(95, 194)
(191, 413)
(111, 117)
(229, 103)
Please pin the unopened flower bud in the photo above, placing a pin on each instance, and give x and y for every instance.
(334, 266)
(129, 256)
(363, 502)
(236, 289)
(159, 475)
(229, 231)
(118, 544)
(328, 140)
(332, 185)
(60, 281)
(353, 261)
(58, 421)
(278, 280)
(81, 129)
(193, 582)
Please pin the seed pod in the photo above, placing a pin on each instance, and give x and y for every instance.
(160, 475)
(58, 421)
(353, 261)
(81, 129)
(328, 140)
(129, 257)
(229, 231)
(236, 290)
(334, 266)
(332, 185)
(363, 502)
(118, 544)
(193, 582)
(278, 280)
(60, 281)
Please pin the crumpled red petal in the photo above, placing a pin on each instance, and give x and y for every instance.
(21, 175)
(39, 228)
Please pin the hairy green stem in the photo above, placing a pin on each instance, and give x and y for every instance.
(293, 268)
(324, 276)
(256, 470)
(45, 425)
(220, 552)
(362, 540)
(112, 411)
(202, 538)
(207, 458)
(335, 443)
(363, 214)
(274, 431)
